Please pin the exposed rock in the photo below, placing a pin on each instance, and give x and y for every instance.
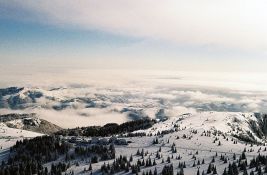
(29, 122)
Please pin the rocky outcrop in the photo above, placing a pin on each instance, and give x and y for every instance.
(29, 122)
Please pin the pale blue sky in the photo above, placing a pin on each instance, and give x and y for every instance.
(222, 36)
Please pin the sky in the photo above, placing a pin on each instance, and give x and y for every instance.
(208, 55)
(192, 35)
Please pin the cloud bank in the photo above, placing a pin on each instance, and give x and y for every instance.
(99, 97)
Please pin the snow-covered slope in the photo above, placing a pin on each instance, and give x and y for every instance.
(9, 136)
(203, 137)
(30, 122)
(194, 139)
(246, 125)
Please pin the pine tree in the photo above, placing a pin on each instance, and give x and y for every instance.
(214, 170)
(138, 153)
(169, 159)
(243, 156)
(154, 162)
(235, 169)
(209, 169)
(213, 160)
(155, 171)
(234, 156)
(245, 172)
(90, 167)
(194, 164)
(225, 172)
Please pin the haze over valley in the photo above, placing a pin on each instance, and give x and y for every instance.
(96, 97)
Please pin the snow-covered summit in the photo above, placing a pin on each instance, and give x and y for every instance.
(246, 125)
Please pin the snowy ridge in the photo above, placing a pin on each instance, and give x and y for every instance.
(197, 137)
(231, 123)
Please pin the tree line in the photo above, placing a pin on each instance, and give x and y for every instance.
(109, 129)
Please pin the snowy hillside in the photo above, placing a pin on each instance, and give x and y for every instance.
(208, 142)
(30, 122)
(246, 125)
(196, 141)
(9, 136)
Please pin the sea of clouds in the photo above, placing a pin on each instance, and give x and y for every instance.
(127, 94)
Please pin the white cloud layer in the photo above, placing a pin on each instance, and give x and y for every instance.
(115, 96)
(238, 24)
